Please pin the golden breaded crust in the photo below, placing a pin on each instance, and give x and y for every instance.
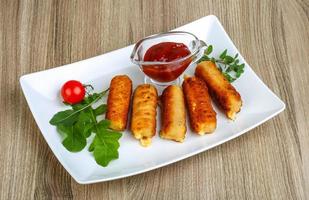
(202, 115)
(220, 88)
(118, 102)
(144, 111)
(173, 114)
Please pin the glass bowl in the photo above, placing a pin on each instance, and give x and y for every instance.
(167, 73)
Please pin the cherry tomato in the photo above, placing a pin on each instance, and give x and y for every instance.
(73, 92)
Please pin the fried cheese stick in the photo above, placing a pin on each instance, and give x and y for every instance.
(220, 88)
(202, 115)
(173, 114)
(144, 111)
(118, 102)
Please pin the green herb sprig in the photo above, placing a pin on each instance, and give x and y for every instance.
(227, 64)
(75, 125)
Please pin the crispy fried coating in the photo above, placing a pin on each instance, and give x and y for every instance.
(144, 111)
(202, 115)
(118, 102)
(220, 88)
(173, 114)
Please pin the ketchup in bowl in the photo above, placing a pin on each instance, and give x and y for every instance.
(166, 52)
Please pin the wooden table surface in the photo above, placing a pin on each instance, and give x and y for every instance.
(270, 162)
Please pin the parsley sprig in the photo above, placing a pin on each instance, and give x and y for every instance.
(227, 64)
(75, 125)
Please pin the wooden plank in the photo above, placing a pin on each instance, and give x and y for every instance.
(271, 162)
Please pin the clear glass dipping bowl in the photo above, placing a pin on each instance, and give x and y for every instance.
(167, 73)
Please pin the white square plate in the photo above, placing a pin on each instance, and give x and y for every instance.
(41, 90)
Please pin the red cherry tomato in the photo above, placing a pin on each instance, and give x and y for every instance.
(73, 92)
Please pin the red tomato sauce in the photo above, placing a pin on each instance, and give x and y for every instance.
(166, 52)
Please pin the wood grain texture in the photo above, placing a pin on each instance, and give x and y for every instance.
(270, 162)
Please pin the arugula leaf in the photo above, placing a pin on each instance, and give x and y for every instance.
(67, 117)
(87, 119)
(100, 110)
(76, 125)
(105, 146)
(104, 123)
(91, 147)
(79, 106)
(74, 140)
(93, 97)
(85, 123)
